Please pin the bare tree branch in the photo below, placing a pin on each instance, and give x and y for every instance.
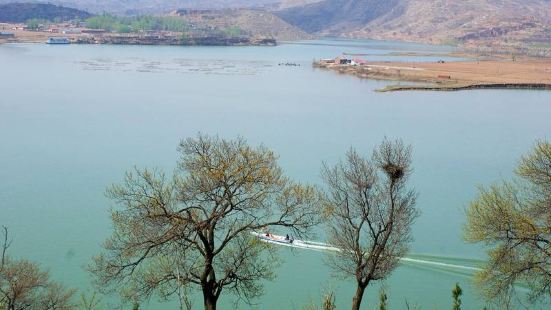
(371, 213)
(24, 285)
(202, 220)
(5, 245)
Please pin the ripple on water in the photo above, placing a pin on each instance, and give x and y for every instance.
(177, 65)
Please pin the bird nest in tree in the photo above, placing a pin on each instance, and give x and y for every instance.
(395, 172)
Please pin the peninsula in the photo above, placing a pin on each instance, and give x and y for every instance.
(528, 73)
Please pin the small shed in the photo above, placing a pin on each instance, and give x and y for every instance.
(345, 61)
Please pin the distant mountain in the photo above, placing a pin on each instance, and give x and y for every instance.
(339, 15)
(494, 22)
(464, 22)
(135, 7)
(21, 12)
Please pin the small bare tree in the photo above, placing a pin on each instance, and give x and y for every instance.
(195, 228)
(371, 213)
(23, 285)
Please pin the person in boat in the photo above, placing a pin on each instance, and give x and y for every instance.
(287, 238)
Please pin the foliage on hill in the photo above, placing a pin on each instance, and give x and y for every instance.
(136, 23)
(129, 24)
(251, 22)
(21, 12)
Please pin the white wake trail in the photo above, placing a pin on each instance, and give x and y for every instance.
(320, 246)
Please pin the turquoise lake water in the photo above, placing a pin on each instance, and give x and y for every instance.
(74, 118)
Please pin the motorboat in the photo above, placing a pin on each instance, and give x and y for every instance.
(292, 242)
(274, 238)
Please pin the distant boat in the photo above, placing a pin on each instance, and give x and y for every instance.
(58, 41)
(291, 242)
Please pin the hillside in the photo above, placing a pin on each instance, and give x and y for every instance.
(285, 4)
(21, 12)
(245, 21)
(338, 16)
(472, 23)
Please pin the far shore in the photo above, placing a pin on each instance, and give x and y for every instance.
(149, 38)
(525, 73)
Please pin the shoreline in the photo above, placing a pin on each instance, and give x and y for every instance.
(392, 88)
(171, 39)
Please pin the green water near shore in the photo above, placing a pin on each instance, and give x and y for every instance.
(74, 118)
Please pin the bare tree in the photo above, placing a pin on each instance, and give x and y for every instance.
(194, 229)
(23, 285)
(371, 213)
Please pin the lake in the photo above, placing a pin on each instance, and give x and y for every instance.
(74, 118)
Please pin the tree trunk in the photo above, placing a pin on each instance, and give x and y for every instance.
(357, 300)
(209, 295)
(209, 300)
(208, 285)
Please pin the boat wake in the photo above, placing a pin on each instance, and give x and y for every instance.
(320, 246)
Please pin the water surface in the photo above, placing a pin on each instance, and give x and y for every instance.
(74, 118)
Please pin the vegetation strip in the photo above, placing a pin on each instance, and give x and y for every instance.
(464, 87)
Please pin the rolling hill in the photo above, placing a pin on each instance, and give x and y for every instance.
(21, 12)
(250, 22)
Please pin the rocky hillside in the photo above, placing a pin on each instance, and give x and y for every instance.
(21, 12)
(467, 22)
(338, 16)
